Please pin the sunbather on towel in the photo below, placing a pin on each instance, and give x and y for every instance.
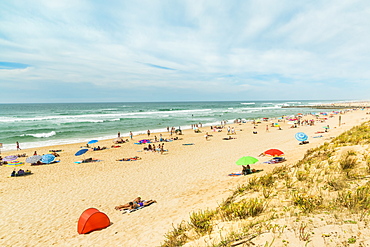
(129, 205)
(136, 203)
(143, 203)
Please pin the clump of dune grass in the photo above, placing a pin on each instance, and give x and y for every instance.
(347, 163)
(242, 209)
(355, 200)
(307, 203)
(336, 183)
(202, 221)
(176, 237)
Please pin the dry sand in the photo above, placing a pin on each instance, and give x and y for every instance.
(43, 209)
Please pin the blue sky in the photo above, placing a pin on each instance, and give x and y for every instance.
(190, 50)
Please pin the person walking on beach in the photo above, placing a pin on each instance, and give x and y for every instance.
(267, 128)
(148, 133)
(119, 134)
(18, 148)
(131, 135)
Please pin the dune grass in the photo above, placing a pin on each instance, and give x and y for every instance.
(326, 181)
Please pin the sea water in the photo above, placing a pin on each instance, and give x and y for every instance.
(36, 125)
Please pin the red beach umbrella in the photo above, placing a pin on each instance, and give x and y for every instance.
(274, 152)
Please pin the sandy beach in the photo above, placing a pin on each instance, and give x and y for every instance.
(43, 209)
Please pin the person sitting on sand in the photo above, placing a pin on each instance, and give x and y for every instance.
(246, 170)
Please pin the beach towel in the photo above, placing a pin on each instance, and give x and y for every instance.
(131, 210)
(80, 162)
(235, 174)
(55, 161)
(239, 174)
(185, 144)
(128, 160)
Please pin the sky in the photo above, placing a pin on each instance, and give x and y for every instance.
(189, 50)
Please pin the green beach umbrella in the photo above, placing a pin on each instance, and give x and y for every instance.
(246, 160)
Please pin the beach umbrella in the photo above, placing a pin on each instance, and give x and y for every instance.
(10, 158)
(47, 158)
(33, 159)
(300, 136)
(81, 152)
(274, 152)
(14, 163)
(246, 160)
(92, 141)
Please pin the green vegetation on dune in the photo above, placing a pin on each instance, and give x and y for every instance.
(331, 180)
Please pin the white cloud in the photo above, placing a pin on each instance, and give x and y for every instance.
(259, 43)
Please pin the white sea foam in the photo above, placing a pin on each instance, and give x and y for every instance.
(251, 103)
(41, 135)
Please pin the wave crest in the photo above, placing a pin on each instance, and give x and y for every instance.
(41, 135)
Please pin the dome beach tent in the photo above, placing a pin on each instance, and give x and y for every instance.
(91, 220)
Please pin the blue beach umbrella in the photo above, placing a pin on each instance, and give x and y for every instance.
(81, 152)
(47, 158)
(92, 141)
(300, 136)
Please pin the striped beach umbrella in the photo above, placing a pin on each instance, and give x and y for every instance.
(14, 163)
(300, 136)
(47, 158)
(10, 158)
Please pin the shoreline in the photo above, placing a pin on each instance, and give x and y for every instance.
(8, 147)
(183, 180)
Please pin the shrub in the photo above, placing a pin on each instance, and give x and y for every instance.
(307, 203)
(176, 237)
(243, 209)
(201, 221)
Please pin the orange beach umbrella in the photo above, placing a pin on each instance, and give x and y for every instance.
(274, 152)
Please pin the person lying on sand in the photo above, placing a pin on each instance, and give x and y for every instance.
(55, 154)
(87, 160)
(136, 203)
(129, 159)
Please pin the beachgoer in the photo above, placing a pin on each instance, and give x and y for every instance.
(119, 134)
(131, 135)
(18, 148)
(246, 170)
(129, 205)
(148, 133)
(267, 128)
(35, 153)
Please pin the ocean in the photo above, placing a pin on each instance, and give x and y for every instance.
(37, 125)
